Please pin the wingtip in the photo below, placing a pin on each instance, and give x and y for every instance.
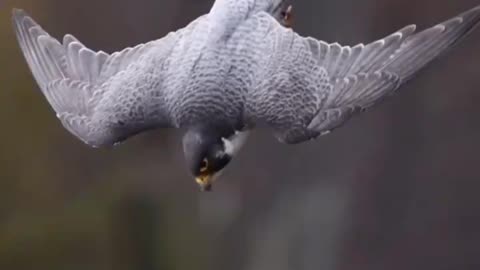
(471, 12)
(19, 15)
(471, 16)
(477, 8)
(16, 12)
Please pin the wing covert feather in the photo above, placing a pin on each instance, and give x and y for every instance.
(72, 77)
(359, 76)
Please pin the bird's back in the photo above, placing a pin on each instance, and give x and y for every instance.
(205, 75)
(211, 80)
(203, 80)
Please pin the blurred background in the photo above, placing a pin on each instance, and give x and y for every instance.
(395, 188)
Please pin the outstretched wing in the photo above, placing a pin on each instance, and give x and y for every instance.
(73, 78)
(312, 87)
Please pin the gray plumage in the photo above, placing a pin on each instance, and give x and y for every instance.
(233, 65)
(226, 72)
(231, 69)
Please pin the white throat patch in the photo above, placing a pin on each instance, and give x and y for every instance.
(235, 142)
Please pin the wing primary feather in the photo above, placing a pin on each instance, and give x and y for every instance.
(75, 79)
(420, 49)
(360, 76)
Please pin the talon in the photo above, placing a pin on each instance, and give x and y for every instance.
(287, 20)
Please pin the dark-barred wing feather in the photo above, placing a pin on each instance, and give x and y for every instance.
(72, 78)
(324, 84)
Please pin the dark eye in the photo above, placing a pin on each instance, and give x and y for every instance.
(204, 165)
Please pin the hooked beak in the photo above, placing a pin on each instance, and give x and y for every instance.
(205, 182)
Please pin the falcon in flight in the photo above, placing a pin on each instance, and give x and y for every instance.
(235, 68)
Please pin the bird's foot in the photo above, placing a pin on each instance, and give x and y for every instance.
(287, 15)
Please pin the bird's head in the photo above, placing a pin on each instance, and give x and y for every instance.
(208, 151)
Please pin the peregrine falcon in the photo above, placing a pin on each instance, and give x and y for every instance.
(236, 68)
